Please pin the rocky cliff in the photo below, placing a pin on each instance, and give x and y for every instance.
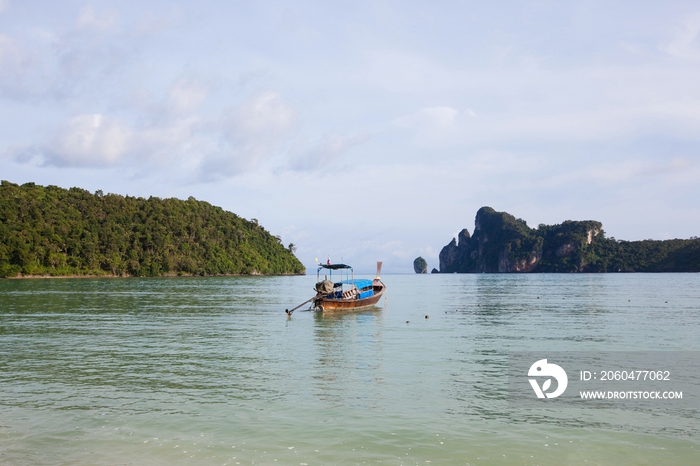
(503, 243)
(420, 265)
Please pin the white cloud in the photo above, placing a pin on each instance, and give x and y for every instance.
(44, 65)
(656, 168)
(151, 23)
(402, 71)
(315, 156)
(611, 174)
(250, 134)
(266, 113)
(83, 141)
(435, 118)
(15, 64)
(4, 5)
(685, 43)
(91, 19)
(168, 143)
(186, 95)
(438, 126)
(177, 141)
(90, 140)
(606, 122)
(9, 52)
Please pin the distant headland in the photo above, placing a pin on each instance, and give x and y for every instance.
(503, 243)
(50, 231)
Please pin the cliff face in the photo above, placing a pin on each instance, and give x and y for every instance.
(502, 243)
(420, 265)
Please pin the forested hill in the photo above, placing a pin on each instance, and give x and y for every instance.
(59, 232)
(502, 243)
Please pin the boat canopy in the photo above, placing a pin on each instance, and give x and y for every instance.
(359, 283)
(335, 266)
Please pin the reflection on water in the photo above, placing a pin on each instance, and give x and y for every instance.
(210, 370)
(349, 354)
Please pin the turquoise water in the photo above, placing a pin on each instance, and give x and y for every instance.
(211, 371)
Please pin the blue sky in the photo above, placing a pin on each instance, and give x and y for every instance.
(364, 130)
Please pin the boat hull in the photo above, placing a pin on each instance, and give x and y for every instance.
(327, 304)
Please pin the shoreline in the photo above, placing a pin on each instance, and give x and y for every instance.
(30, 277)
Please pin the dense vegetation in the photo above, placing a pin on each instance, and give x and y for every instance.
(420, 265)
(502, 243)
(58, 232)
(674, 255)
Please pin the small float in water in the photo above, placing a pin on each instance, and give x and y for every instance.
(346, 293)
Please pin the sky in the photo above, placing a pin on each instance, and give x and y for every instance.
(364, 130)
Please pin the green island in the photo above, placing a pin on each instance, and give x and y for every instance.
(51, 231)
(420, 265)
(503, 243)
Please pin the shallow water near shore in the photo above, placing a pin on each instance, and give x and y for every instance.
(211, 371)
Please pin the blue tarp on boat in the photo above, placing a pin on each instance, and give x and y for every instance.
(359, 283)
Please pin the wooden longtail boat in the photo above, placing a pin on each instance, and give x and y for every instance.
(344, 294)
(350, 293)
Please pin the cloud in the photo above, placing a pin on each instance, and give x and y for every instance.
(685, 43)
(90, 19)
(89, 140)
(675, 165)
(315, 156)
(266, 113)
(605, 122)
(76, 64)
(19, 72)
(171, 135)
(251, 76)
(251, 133)
(9, 52)
(168, 143)
(438, 126)
(626, 172)
(150, 24)
(402, 71)
(185, 95)
(435, 118)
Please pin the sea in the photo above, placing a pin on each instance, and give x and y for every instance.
(212, 371)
